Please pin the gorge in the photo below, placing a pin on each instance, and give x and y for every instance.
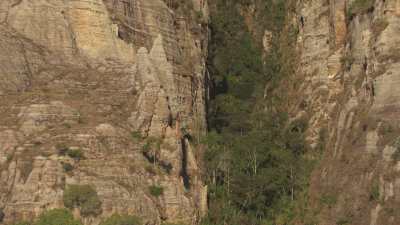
(239, 112)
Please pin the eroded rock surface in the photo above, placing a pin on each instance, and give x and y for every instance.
(350, 67)
(104, 77)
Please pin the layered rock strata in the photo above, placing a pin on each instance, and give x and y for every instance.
(350, 73)
(107, 78)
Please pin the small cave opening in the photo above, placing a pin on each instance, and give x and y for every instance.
(184, 173)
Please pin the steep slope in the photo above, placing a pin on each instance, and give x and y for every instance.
(105, 93)
(349, 68)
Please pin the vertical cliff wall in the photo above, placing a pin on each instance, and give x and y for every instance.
(349, 73)
(120, 82)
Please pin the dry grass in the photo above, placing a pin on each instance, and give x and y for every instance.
(379, 26)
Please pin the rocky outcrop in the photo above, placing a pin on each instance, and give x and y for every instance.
(349, 67)
(107, 78)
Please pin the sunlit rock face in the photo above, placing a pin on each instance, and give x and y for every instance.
(350, 67)
(103, 77)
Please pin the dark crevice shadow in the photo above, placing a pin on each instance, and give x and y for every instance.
(184, 174)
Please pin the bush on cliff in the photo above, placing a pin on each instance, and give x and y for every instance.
(65, 217)
(57, 217)
(117, 219)
(360, 7)
(156, 190)
(83, 197)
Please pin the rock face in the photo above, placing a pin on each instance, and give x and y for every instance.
(350, 72)
(108, 78)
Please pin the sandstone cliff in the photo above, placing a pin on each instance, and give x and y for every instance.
(349, 77)
(108, 78)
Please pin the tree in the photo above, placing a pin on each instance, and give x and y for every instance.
(254, 160)
(57, 217)
(83, 197)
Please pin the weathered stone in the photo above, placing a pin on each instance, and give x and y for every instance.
(359, 69)
(89, 76)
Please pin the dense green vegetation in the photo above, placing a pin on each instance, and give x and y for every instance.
(156, 190)
(117, 219)
(57, 217)
(360, 7)
(83, 197)
(65, 217)
(53, 217)
(255, 163)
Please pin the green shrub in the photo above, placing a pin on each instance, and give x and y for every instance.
(156, 191)
(374, 195)
(117, 219)
(152, 144)
(83, 197)
(328, 199)
(347, 61)
(76, 154)
(67, 167)
(62, 149)
(146, 147)
(10, 157)
(136, 135)
(172, 224)
(67, 125)
(57, 217)
(385, 129)
(343, 221)
(360, 7)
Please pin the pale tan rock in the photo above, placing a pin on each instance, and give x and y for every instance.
(9, 140)
(37, 117)
(88, 75)
(374, 214)
(359, 108)
(388, 152)
(94, 33)
(372, 141)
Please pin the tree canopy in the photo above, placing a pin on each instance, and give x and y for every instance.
(255, 164)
